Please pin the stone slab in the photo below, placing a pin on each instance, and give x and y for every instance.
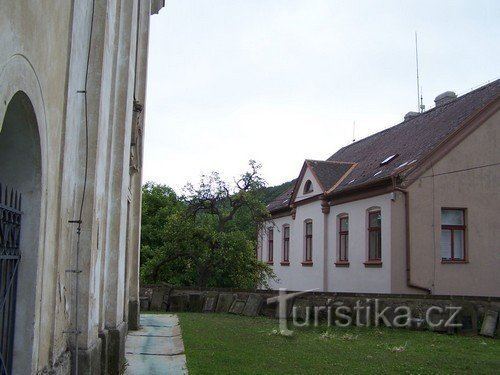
(148, 351)
(253, 305)
(178, 302)
(159, 298)
(237, 306)
(300, 306)
(163, 320)
(144, 303)
(157, 331)
(489, 323)
(143, 364)
(210, 302)
(224, 303)
(196, 301)
(434, 318)
(156, 345)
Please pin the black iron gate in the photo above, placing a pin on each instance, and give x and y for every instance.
(10, 256)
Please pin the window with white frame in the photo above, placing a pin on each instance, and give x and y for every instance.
(453, 234)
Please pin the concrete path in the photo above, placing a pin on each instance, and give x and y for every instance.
(157, 348)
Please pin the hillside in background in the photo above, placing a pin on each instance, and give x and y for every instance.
(272, 192)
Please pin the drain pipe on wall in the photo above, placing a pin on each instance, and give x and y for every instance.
(407, 238)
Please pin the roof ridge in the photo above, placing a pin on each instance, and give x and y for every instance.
(430, 110)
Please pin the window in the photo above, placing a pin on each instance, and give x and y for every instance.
(374, 236)
(308, 242)
(308, 187)
(343, 239)
(286, 244)
(452, 234)
(270, 245)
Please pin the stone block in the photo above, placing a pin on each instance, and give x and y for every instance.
(437, 322)
(289, 307)
(133, 316)
(116, 349)
(104, 336)
(89, 360)
(160, 298)
(196, 302)
(489, 326)
(210, 302)
(237, 306)
(253, 305)
(145, 302)
(179, 302)
(224, 303)
(303, 310)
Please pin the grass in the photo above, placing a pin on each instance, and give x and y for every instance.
(230, 344)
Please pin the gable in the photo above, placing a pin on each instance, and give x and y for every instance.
(301, 192)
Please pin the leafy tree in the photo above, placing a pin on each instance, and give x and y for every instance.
(207, 237)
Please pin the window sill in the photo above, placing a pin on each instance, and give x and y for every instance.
(285, 263)
(307, 264)
(270, 263)
(342, 263)
(450, 261)
(373, 263)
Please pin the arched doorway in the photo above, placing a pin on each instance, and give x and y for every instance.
(20, 176)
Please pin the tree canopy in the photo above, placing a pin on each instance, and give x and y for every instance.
(207, 237)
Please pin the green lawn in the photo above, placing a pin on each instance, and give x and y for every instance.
(229, 344)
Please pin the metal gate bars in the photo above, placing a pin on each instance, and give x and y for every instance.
(10, 256)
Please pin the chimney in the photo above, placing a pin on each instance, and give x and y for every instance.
(411, 115)
(444, 98)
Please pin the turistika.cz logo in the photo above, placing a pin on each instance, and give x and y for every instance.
(363, 314)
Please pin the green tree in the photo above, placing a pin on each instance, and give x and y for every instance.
(208, 237)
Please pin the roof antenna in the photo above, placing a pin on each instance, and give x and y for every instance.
(353, 129)
(420, 99)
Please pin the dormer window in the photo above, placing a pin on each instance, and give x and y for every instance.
(308, 187)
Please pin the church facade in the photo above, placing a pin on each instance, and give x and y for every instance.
(72, 95)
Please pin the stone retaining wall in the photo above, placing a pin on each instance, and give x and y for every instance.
(474, 310)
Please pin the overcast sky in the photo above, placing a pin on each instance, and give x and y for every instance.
(280, 81)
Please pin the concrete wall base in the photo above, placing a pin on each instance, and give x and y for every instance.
(89, 360)
(134, 320)
(62, 365)
(104, 336)
(116, 348)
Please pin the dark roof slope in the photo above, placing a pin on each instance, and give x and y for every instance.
(411, 140)
(404, 144)
(329, 172)
(282, 201)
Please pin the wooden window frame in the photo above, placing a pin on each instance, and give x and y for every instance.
(453, 228)
(343, 261)
(374, 261)
(286, 246)
(270, 246)
(308, 243)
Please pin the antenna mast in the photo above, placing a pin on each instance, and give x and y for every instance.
(353, 129)
(420, 99)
